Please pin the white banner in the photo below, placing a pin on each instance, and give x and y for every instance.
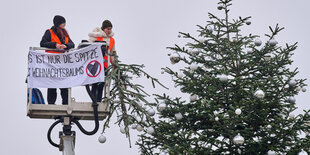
(65, 70)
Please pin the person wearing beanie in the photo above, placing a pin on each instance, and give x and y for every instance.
(103, 33)
(59, 29)
(57, 37)
(106, 24)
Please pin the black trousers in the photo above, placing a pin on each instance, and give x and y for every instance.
(52, 95)
(97, 89)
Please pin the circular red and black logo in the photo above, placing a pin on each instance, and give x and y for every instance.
(93, 68)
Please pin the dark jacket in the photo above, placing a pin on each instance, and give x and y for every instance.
(46, 40)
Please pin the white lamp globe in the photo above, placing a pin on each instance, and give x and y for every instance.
(259, 94)
(223, 78)
(201, 40)
(238, 111)
(258, 42)
(134, 126)
(102, 139)
(161, 107)
(123, 130)
(180, 75)
(272, 42)
(150, 130)
(139, 128)
(291, 99)
(292, 83)
(238, 139)
(210, 29)
(174, 58)
(302, 152)
(178, 116)
(151, 112)
(193, 67)
(270, 152)
(193, 98)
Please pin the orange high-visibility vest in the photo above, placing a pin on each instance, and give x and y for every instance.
(54, 38)
(105, 57)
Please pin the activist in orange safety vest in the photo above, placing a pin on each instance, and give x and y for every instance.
(103, 34)
(57, 38)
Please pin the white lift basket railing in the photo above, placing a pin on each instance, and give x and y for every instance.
(80, 110)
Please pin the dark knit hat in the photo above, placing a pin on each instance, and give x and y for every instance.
(58, 20)
(106, 24)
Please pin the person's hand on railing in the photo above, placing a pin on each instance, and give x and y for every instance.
(59, 46)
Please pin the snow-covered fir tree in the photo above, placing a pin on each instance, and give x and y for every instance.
(242, 95)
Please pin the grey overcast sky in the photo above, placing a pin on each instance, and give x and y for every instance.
(143, 29)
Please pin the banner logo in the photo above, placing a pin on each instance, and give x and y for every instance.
(93, 68)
